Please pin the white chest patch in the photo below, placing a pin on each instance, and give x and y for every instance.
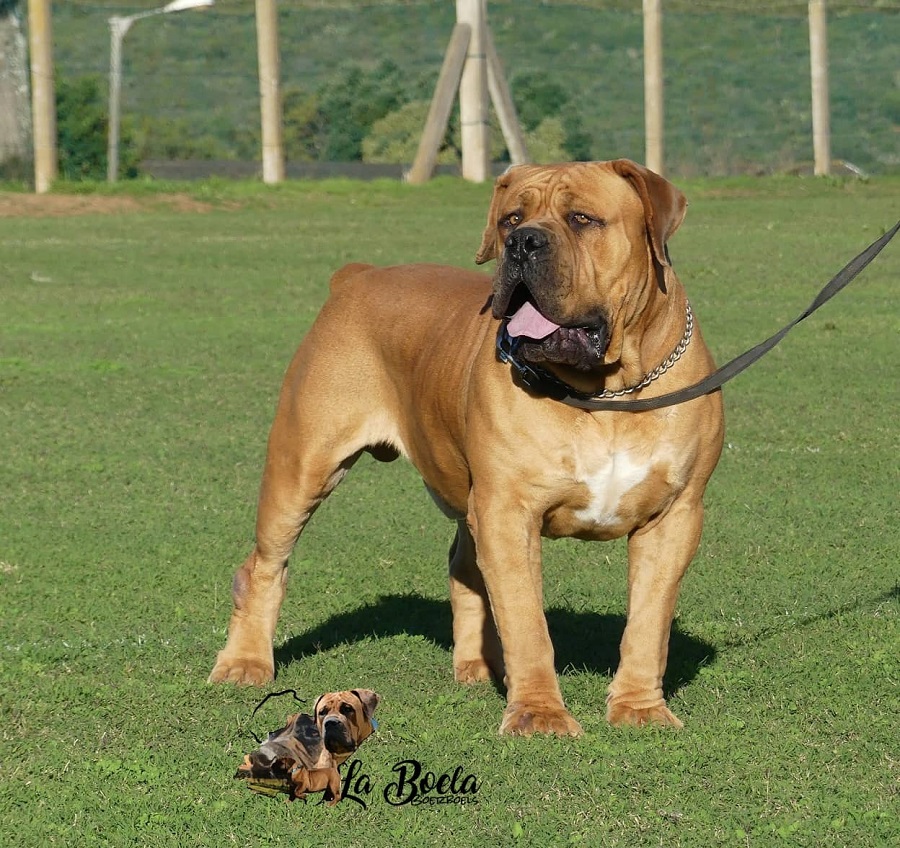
(608, 485)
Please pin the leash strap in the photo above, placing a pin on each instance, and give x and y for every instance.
(728, 371)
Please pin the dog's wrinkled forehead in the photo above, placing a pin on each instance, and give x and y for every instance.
(355, 705)
(545, 194)
(603, 189)
(537, 191)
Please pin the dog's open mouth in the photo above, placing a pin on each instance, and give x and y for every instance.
(543, 340)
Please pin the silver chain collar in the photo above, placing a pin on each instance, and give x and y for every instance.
(665, 365)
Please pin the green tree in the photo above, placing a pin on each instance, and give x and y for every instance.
(538, 97)
(352, 101)
(82, 125)
(304, 126)
(547, 142)
(395, 137)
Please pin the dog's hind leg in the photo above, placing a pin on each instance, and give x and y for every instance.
(477, 654)
(292, 488)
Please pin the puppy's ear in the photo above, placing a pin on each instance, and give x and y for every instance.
(369, 700)
(490, 243)
(664, 209)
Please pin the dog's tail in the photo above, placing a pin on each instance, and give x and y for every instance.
(343, 274)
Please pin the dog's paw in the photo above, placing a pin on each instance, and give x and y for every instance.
(244, 671)
(522, 719)
(472, 671)
(622, 714)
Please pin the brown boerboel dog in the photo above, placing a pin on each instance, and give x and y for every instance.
(585, 287)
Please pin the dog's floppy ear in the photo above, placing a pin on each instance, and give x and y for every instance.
(369, 700)
(490, 247)
(664, 208)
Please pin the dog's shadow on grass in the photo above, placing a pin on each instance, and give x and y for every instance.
(583, 641)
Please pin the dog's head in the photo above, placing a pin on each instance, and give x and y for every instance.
(579, 247)
(298, 743)
(345, 720)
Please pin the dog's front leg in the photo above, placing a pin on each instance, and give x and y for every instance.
(477, 654)
(658, 556)
(508, 549)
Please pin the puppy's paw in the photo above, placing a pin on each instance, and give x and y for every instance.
(243, 671)
(622, 714)
(523, 719)
(472, 671)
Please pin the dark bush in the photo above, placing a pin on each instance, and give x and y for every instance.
(82, 126)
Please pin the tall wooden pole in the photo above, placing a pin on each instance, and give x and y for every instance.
(818, 59)
(653, 86)
(441, 106)
(43, 97)
(504, 106)
(118, 26)
(269, 90)
(473, 95)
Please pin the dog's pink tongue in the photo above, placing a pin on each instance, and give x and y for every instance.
(529, 322)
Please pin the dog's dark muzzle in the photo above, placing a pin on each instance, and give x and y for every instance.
(337, 737)
(527, 260)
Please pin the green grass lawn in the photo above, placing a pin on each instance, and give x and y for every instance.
(140, 359)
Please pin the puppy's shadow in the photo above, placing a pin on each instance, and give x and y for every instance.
(583, 641)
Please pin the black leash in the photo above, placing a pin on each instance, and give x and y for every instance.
(545, 383)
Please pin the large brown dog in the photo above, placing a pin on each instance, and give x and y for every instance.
(403, 361)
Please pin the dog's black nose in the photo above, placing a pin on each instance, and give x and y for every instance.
(525, 244)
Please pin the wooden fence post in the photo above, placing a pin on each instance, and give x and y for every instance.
(270, 91)
(43, 97)
(653, 86)
(441, 105)
(473, 95)
(818, 61)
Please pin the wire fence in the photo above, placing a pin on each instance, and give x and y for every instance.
(737, 85)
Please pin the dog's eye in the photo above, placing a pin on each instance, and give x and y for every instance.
(511, 221)
(347, 710)
(323, 712)
(579, 219)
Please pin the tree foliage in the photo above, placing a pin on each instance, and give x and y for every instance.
(539, 96)
(82, 124)
(552, 128)
(304, 126)
(352, 101)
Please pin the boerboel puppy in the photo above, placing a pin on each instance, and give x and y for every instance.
(345, 720)
(293, 759)
(403, 361)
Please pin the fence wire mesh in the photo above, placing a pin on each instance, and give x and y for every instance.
(737, 77)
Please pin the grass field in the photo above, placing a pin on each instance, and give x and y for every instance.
(140, 357)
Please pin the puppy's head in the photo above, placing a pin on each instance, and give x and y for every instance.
(345, 720)
(298, 743)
